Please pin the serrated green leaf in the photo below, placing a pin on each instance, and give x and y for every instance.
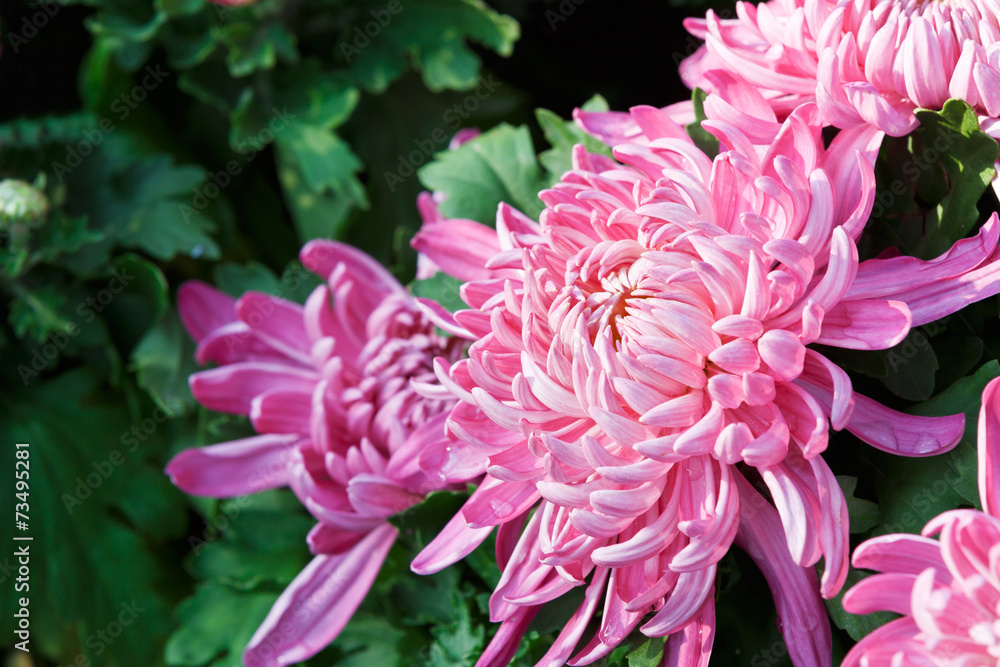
(968, 162)
(37, 312)
(457, 643)
(422, 522)
(313, 96)
(325, 161)
(563, 135)
(38, 132)
(216, 624)
(378, 40)
(930, 183)
(142, 202)
(448, 65)
(60, 235)
(255, 46)
(857, 626)
(496, 166)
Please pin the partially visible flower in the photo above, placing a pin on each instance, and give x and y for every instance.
(427, 204)
(641, 356)
(21, 203)
(947, 590)
(473, 236)
(343, 394)
(462, 136)
(869, 62)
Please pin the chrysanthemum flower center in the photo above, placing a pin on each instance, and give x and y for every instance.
(397, 353)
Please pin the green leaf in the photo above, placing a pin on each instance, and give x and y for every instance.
(97, 510)
(963, 396)
(370, 640)
(912, 365)
(257, 545)
(563, 135)
(211, 84)
(135, 27)
(701, 137)
(458, 642)
(310, 95)
(912, 491)
(255, 47)
(431, 599)
(497, 166)
(216, 624)
(422, 522)
(131, 298)
(449, 64)
(325, 161)
(317, 215)
(61, 235)
(967, 155)
(930, 182)
(36, 313)
(957, 355)
(856, 626)
(864, 514)
(378, 39)
(163, 360)
(647, 654)
(441, 288)
(39, 132)
(295, 284)
(143, 202)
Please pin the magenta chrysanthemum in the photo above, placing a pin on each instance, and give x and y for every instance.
(947, 590)
(345, 399)
(641, 362)
(870, 62)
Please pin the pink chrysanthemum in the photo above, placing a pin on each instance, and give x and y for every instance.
(947, 590)
(867, 62)
(640, 364)
(345, 399)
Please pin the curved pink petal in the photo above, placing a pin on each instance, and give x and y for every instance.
(455, 541)
(318, 603)
(989, 456)
(804, 622)
(504, 644)
(235, 468)
(459, 247)
(232, 388)
(202, 308)
(692, 646)
(322, 256)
